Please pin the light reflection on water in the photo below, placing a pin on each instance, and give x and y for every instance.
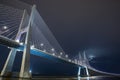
(78, 78)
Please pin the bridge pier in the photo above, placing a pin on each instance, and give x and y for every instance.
(9, 63)
(79, 71)
(87, 72)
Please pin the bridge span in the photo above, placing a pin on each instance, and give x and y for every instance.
(20, 47)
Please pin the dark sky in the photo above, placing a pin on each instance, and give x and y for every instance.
(91, 25)
(81, 24)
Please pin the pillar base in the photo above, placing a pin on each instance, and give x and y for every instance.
(6, 74)
(25, 75)
(16, 75)
(10, 74)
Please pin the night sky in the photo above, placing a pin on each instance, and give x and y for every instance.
(81, 24)
(90, 25)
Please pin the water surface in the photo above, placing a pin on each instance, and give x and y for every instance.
(72, 78)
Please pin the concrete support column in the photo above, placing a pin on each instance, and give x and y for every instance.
(79, 71)
(87, 72)
(9, 63)
(25, 66)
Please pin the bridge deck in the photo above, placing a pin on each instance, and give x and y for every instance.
(34, 51)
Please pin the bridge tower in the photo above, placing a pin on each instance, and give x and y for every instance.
(85, 64)
(83, 61)
(25, 65)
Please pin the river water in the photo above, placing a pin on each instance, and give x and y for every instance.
(77, 78)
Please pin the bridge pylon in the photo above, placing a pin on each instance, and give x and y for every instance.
(84, 62)
(25, 66)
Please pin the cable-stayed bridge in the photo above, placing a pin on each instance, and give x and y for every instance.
(27, 32)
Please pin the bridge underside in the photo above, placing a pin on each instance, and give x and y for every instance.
(59, 64)
(70, 69)
(34, 51)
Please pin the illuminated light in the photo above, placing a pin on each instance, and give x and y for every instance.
(32, 46)
(21, 43)
(61, 53)
(79, 70)
(53, 49)
(53, 54)
(79, 78)
(30, 71)
(17, 40)
(5, 27)
(72, 61)
(93, 77)
(18, 50)
(8, 47)
(88, 78)
(41, 44)
(69, 60)
(59, 56)
(66, 56)
(44, 50)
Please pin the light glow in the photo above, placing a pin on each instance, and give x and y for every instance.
(59, 56)
(30, 71)
(41, 44)
(61, 53)
(5, 27)
(17, 40)
(53, 54)
(32, 46)
(53, 49)
(66, 56)
(21, 43)
(69, 60)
